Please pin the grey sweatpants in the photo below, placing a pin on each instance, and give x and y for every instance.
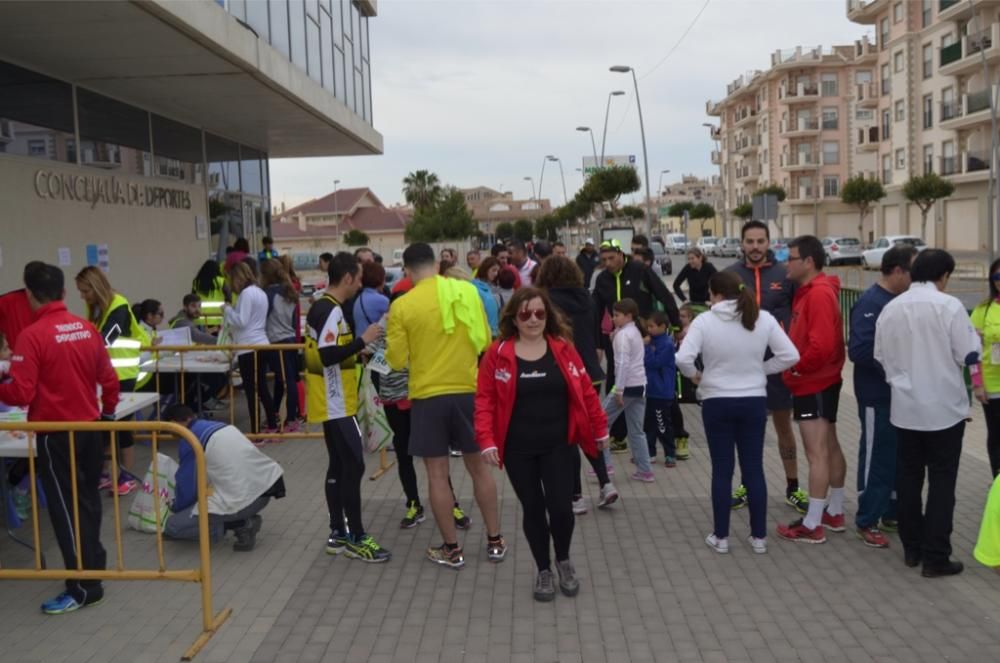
(184, 525)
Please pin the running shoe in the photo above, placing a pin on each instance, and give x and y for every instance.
(759, 546)
(414, 516)
(798, 499)
(64, 603)
(496, 549)
(798, 532)
(611, 470)
(292, 427)
(890, 525)
(453, 559)
(569, 584)
(739, 498)
(367, 550)
(545, 586)
(834, 523)
(608, 496)
(336, 543)
(646, 477)
(126, 485)
(872, 537)
(683, 453)
(105, 482)
(461, 520)
(669, 461)
(455, 453)
(720, 546)
(618, 446)
(580, 506)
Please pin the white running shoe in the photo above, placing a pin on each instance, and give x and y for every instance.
(720, 546)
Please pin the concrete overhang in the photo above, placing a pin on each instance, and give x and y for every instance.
(189, 60)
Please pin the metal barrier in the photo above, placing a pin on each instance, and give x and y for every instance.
(203, 574)
(851, 276)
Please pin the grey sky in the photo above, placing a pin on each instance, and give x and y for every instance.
(479, 92)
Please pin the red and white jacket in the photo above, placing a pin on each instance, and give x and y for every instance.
(497, 390)
(57, 364)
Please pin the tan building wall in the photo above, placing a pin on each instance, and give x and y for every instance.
(154, 252)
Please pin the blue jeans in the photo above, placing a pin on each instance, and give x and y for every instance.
(736, 425)
(635, 415)
(876, 466)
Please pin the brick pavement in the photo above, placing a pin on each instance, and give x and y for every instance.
(652, 591)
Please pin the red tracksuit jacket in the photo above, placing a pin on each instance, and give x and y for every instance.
(497, 387)
(58, 362)
(817, 330)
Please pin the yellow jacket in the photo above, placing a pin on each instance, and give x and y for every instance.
(440, 363)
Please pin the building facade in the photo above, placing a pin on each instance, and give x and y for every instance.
(490, 208)
(144, 147)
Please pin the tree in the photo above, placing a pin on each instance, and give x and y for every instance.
(861, 192)
(355, 237)
(505, 230)
(924, 191)
(678, 209)
(524, 230)
(547, 227)
(449, 219)
(702, 212)
(772, 190)
(607, 185)
(634, 212)
(422, 189)
(744, 211)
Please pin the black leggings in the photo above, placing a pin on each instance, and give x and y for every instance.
(250, 386)
(544, 487)
(399, 422)
(992, 411)
(343, 474)
(600, 469)
(285, 366)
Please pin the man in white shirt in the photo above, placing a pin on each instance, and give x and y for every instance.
(923, 339)
(519, 258)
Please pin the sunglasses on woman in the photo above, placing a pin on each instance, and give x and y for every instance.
(524, 316)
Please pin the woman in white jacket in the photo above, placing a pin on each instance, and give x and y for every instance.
(732, 339)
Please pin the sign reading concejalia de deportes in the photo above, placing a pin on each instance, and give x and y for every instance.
(109, 190)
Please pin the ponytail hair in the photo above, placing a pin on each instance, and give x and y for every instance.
(629, 307)
(730, 286)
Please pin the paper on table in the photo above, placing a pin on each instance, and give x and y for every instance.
(176, 336)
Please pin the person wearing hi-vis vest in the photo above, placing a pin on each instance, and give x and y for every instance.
(123, 337)
(209, 284)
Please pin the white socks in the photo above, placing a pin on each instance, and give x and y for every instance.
(815, 514)
(836, 501)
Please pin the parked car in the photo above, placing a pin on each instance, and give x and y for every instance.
(707, 245)
(728, 247)
(677, 243)
(779, 246)
(842, 250)
(661, 258)
(872, 258)
(393, 274)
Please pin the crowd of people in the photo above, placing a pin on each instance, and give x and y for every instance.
(529, 361)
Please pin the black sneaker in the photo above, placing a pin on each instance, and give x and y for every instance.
(246, 538)
(949, 568)
(414, 516)
(367, 550)
(336, 543)
(461, 520)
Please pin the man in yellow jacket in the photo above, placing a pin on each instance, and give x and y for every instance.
(437, 330)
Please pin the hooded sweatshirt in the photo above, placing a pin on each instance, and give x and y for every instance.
(734, 356)
(817, 330)
(661, 373)
(578, 307)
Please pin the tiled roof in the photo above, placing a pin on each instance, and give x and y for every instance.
(377, 219)
(340, 202)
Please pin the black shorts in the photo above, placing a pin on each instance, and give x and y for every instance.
(778, 396)
(821, 405)
(441, 423)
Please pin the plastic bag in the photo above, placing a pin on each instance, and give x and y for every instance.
(375, 431)
(142, 513)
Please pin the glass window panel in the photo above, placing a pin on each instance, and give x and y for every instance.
(238, 8)
(113, 135)
(313, 49)
(312, 8)
(225, 211)
(297, 23)
(349, 75)
(223, 163)
(265, 174)
(279, 25)
(257, 18)
(36, 115)
(359, 106)
(368, 93)
(364, 38)
(338, 74)
(178, 151)
(338, 23)
(250, 170)
(356, 32)
(326, 50)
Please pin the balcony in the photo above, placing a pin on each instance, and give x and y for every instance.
(744, 116)
(954, 10)
(801, 194)
(974, 109)
(716, 158)
(949, 110)
(748, 145)
(712, 108)
(868, 140)
(747, 173)
(800, 127)
(866, 95)
(966, 56)
(865, 50)
(865, 12)
(799, 161)
(949, 165)
(798, 94)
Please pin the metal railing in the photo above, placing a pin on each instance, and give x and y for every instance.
(952, 53)
(201, 574)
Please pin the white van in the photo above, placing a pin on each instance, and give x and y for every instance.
(677, 243)
(397, 258)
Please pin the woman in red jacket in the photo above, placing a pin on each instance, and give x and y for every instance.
(534, 402)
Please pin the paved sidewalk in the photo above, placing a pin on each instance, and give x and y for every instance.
(652, 591)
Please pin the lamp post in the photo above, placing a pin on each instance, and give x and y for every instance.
(614, 93)
(550, 157)
(335, 210)
(529, 178)
(624, 69)
(541, 178)
(659, 193)
(593, 145)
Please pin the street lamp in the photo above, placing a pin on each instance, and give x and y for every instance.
(550, 157)
(659, 187)
(623, 69)
(541, 178)
(531, 179)
(597, 164)
(615, 93)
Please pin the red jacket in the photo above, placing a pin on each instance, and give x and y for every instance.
(58, 362)
(817, 330)
(496, 393)
(15, 314)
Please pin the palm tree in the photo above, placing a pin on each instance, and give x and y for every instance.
(422, 189)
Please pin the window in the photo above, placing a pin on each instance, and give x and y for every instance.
(831, 186)
(279, 26)
(897, 61)
(928, 111)
(37, 147)
(928, 55)
(900, 159)
(313, 51)
(886, 81)
(864, 115)
(949, 107)
(886, 124)
(884, 33)
(925, 13)
(297, 22)
(949, 165)
(257, 19)
(113, 135)
(178, 151)
(886, 169)
(897, 12)
(928, 159)
(830, 118)
(828, 84)
(765, 156)
(38, 111)
(862, 77)
(900, 110)
(831, 152)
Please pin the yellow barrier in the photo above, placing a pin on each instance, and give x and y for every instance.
(203, 574)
